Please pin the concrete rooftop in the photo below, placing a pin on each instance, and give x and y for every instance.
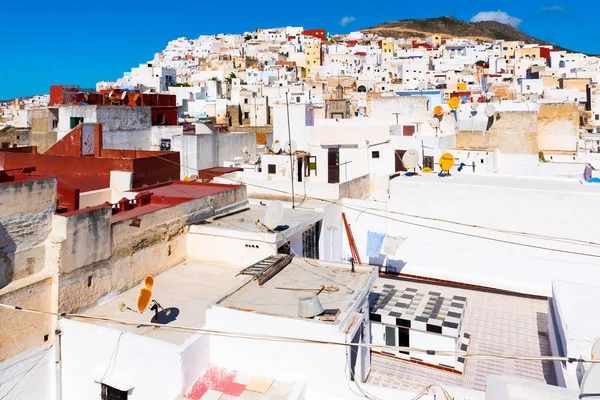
(497, 323)
(243, 224)
(279, 296)
(188, 287)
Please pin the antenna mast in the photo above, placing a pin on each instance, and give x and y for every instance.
(287, 105)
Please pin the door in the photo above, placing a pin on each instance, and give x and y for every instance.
(390, 339)
(333, 165)
(398, 160)
(300, 169)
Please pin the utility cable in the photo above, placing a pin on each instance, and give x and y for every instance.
(538, 247)
(275, 338)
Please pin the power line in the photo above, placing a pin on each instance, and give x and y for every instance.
(275, 338)
(364, 211)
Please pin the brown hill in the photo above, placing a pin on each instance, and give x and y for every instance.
(448, 26)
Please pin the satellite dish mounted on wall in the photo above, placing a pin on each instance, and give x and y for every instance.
(446, 163)
(435, 124)
(490, 110)
(290, 147)
(454, 102)
(410, 159)
(276, 147)
(474, 106)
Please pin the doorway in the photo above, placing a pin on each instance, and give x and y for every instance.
(398, 159)
(300, 169)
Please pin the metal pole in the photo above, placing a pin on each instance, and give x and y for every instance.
(287, 104)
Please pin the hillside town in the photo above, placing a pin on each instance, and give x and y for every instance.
(292, 214)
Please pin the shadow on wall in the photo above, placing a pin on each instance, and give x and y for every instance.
(544, 344)
(7, 251)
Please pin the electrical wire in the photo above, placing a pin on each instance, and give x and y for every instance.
(275, 338)
(418, 217)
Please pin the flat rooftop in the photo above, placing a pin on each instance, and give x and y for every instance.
(186, 289)
(497, 323)
(185, 190)
(302, 277)
(520, 182)
(243, 224)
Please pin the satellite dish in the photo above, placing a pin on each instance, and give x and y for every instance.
(410, 159)
(149, 281)
(276, 147)
(590, 384)
(453, 103)
(446, 161)
(434, 122)
(438, 110)
(596, 350)
(245, 150)
(421, 86)
(253, 160)
(274, 215)
(474, 106)
(426, 170)
(490, 110)
(144, 299)
(293, 147)
(534, 97)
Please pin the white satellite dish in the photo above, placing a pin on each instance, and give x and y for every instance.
(276, 147)
(534, 97)
(474, 106)
(434, 122)
(410, 158)
(245, 150)
(590, 384)
(274, 215)
(253, 160)
(490, 110)
(294, 146)
(421, 86)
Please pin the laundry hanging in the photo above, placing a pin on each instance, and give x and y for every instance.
(391, 245)
(374, 243)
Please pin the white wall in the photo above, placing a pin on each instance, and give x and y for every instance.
(30, 375)
(426, 340)
(153, 367)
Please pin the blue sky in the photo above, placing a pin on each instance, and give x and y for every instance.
(81, 42)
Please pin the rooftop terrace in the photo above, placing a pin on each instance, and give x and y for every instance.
(497, 324)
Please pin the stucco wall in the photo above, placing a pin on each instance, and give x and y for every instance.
(558, 126)
(158, 244)
(513, 133)
(25, 221)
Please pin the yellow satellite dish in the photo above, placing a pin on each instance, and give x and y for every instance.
(149, 281)
(438, 110)
(426, 170)
(453, 103)
(144, 299)
(446, 161)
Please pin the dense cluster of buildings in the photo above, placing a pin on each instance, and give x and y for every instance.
(287, 214)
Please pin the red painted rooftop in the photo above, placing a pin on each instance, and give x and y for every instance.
(184, 190)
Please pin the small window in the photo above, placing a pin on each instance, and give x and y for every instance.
(165, 145)
(246, 115)
(271, 168)
(18, 137)
(160, 119)
(597, 117)
(374, 154)
(55, 124)
(76, 121)
(111, 393)
(245, 101)
(297, 99)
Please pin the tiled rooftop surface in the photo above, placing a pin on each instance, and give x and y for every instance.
(497, 323)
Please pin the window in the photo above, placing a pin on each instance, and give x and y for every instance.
(528, 87)
(76, 121)
(374, 154)
(297, 99)
(246, 115)
(245, 101)
(597, 117)
(160, 119)
(55, 124)
(428, 162)
(165, 144)
(271, 169)
(110, 393)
